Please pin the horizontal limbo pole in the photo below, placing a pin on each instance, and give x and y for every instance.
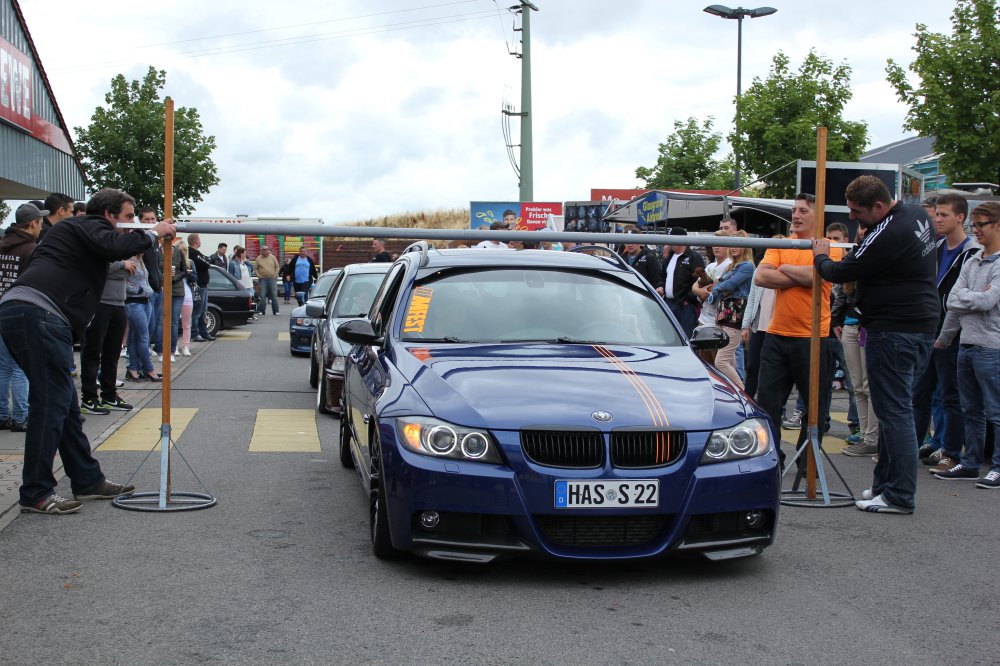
(477, 235)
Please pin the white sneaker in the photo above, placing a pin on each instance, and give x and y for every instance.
(185, 351)
(124, 352)
(867, 494)
(878, 504)
(119, 383)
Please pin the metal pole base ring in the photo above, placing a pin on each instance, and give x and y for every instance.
(179, 501)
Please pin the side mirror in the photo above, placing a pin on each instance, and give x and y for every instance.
(315, 311)
(358, 332)
(708, 337)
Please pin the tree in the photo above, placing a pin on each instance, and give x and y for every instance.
(958, 98)
(687, 160)
(4, 210)
(777, 119)
(124, 146)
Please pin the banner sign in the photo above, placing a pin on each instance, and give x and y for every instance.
(517, 216)
(16, 93)
(652, 210)
(586, 216)
(282, 247)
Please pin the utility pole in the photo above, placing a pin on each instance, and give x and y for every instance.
(527, 192)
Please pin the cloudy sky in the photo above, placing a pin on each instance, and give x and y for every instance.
(348, 109)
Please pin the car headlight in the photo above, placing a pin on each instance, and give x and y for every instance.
(749, 439)
(305, 321)
(338, 364)
(433, 437)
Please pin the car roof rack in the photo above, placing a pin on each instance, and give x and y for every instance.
(420, 246)
(602, 252)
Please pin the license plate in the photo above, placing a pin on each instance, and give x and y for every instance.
(605, 494)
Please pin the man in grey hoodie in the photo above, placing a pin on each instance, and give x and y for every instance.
(974, 305)
(103, 343)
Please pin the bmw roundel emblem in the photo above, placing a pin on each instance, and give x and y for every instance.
(603, 417)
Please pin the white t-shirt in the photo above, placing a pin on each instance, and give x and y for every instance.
(491, 245)
(710, 310)
(188, 300)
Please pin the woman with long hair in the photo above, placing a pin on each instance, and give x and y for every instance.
(729, 295)
(187, 305)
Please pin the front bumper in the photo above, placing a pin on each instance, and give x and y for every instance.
(489, 511)
(300, 338)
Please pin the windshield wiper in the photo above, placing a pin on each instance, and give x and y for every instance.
(446, 338)
(562, 340)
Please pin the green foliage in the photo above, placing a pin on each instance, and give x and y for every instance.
(4, 210)
(957, 100)
(687, 160)
(124, 146)
(778, 118)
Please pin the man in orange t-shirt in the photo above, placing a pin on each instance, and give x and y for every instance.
(784, 357)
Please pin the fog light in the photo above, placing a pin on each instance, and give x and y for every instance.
(429, 520)
(755, 519)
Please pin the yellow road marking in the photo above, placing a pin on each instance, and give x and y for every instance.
(283, 337)
(285, 430)
(142, 431)
(234, 335)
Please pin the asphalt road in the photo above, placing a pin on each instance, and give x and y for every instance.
(280, 571)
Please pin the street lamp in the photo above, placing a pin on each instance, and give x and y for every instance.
(739, 14)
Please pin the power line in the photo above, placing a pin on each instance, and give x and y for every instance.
(296, 41)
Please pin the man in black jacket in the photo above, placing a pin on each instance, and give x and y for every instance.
(679, 265)
(58, 208)
(895, 267)
(642, 259)
(53, 299)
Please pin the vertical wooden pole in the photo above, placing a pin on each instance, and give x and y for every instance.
(814, 344)
(168, 263)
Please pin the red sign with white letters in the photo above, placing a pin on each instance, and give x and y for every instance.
(16, 92)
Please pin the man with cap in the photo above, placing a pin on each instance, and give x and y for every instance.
(642, 259)
(54, 297)
(16, 246)
(679, 265)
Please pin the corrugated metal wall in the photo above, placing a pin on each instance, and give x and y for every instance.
(24, 159)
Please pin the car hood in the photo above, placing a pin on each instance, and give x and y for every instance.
(519, 386)
(300, 311)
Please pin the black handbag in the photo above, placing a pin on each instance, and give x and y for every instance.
(730, 312)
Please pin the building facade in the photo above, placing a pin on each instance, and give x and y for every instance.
(36, 149)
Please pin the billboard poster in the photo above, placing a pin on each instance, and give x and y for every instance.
(512, 215)
(586, 216)
(651, 211)
(290, 246)
(16, 93)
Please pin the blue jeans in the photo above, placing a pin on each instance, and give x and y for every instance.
(155, 327)
(137, 315)
(176, 303)
(42, 344)
(288, 290)
(686, 315)
(739, 361)
(198, 325)
(895, 362)
(941, 374)
(15, 382)
(979, 389)
(268, 291)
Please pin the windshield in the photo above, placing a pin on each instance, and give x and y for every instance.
(357, 294)
(322, 285)
(518, 305)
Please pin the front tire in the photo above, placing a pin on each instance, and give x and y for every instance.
(378, 513)
(321, 405)
(213, 321)
(313, 370)
(345, 442)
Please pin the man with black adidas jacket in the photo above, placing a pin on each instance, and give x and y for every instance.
(643, 260)
(51, 302)
(895, 267)
(953, 249)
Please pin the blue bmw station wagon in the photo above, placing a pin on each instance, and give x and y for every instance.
(500, 403)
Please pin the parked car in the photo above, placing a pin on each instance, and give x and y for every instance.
(301, 326)
(229, 302)
(503, 403)
(350, 297)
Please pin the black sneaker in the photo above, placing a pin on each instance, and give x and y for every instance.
(53, 504)
(989, 482)
(5, 424)
(105, 490)
(116, 403)
(19, 426)
(88, 406)
(959, 473)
